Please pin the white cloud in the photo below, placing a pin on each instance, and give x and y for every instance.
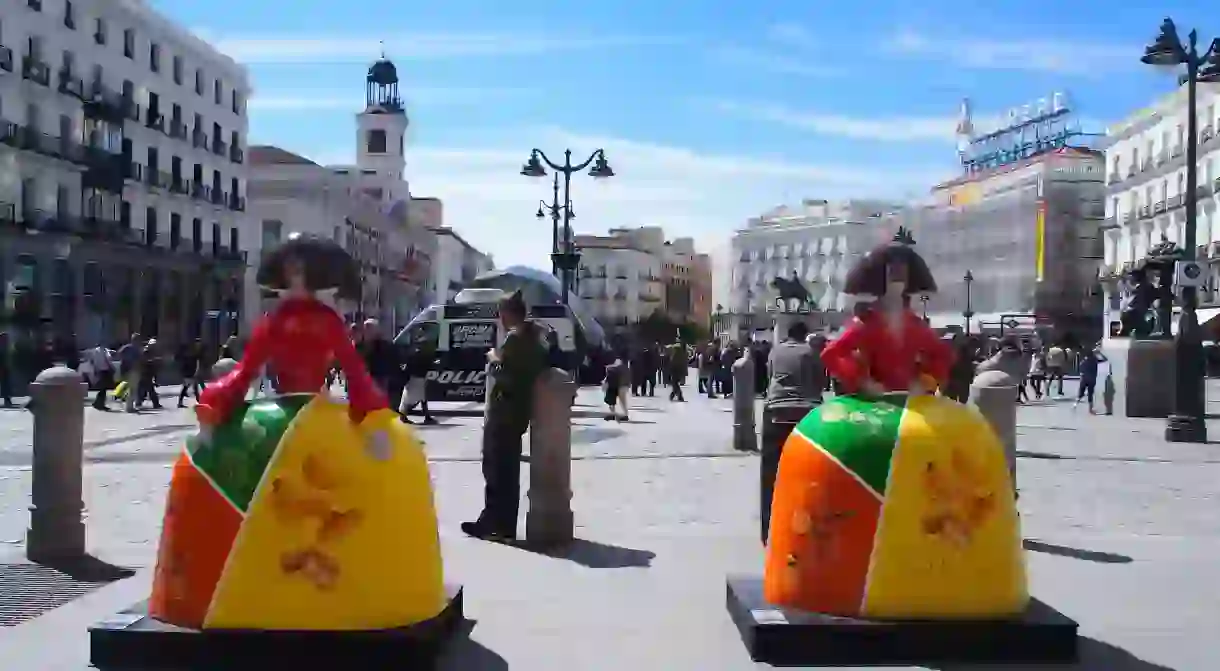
(339, 48)
(293, 101)
(688, 192)
(1067, 57)
(892, 129)
(753, 59)
(791, 33)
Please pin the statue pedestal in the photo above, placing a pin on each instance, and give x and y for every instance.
(782, 319)
(133, 640)
(788, 637)
(1143, 371)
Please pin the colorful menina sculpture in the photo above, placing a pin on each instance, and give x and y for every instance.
(891, 503)
(299, 512)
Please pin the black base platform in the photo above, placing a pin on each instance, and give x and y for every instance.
(786, 637)
(132, 640)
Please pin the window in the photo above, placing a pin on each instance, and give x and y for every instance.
(236, 102)
(199, 82)
(197, 234)
(215, 239)
(217, 91)
(129, 43)
(150, 225)
(69, 15)
(154, 56)
(177, 70)
(273, 229)
(175, 230)
(33, 47)
(376, 142)
(233, 239)
(99, 31)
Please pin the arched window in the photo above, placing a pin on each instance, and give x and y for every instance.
(377, 141)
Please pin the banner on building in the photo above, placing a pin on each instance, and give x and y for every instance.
(1040, 240)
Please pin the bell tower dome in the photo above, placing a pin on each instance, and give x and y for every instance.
(382, 127)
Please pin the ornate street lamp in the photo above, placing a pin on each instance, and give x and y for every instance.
(968, 313)
(924, 300)
(554, 210)
(716, 317)
(1186, 422)
(564, 256)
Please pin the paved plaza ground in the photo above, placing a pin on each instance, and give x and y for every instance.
(1123, 529)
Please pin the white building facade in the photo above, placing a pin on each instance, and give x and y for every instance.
(620, 275)
(455, 263)
(122, 145)
(816, 242)
(367, 207)
(1146, 192)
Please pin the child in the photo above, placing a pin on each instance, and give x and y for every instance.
(616, 393)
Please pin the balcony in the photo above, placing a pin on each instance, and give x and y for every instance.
(238, 203)
(6, 59)
(70, 85)
(1109, 223)
(1161, 156)
(1145, 211)
(103, 171)
(101, 226)
(49, 222)
(155, 121)
(35, 71)
(152, 177)
(1203, 190)
(219, 147)
(133, 171)
(1114, 178)
(1177, 151)
(202, 192)
(199, 139)
(1206, 132)
(1159, 207)
(1131, 172)
(49, 145)
(177, 129)
(179, 185)
(229, 255)
(1146, 164)
(236, 154)
(102, 104)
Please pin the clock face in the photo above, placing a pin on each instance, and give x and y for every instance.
(1191, 270)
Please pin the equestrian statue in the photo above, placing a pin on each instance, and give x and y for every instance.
(792, 289)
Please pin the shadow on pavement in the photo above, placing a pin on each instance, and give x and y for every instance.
(465, 654)
(592, 554)
(1026, 454)
(1093, 655)
(1076, 553)
(89, 569)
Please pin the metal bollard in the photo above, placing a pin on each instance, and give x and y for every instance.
(777, 423)
(994, 393)
(744, 437)
(57, 527)
(549, 520)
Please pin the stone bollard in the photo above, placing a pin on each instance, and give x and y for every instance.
(57, 527)
(994, 393)
(744, 437)
(549, 521)
(778, 421)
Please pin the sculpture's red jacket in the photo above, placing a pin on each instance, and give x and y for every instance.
(867, 349)
(300, 340)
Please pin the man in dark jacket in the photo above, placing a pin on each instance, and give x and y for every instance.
(515, 367)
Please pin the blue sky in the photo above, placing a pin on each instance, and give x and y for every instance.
(710, 111)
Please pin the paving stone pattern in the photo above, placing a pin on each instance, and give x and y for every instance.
(1124, 529)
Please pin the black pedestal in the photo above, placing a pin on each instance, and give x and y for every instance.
(133, 640)
(786, 637)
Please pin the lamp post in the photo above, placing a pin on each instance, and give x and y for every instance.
(554, 210)
(1186, 421)
(924, 300)
(716, 317)
(968, 313)
(564, 255)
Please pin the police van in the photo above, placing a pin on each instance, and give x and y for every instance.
(462, 331)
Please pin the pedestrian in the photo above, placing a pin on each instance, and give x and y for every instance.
(149, 365)
(675, 369)
(229, 349)
(420, 360)
(379, 359)
(709, 361)
(190, 367)
(515, 368)
(103, 372)
(6, 371)
(1037, 373)
(792, 370)
(614, 388)
(1011, 360)
(1056, 367)
(129, 369)
(1090, 362)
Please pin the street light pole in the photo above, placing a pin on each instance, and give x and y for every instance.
(1186, 422)
(968, 313)
(924, 300)
(566, 259)
(554, 210)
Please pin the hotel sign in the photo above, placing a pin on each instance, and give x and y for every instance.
(1052, 105)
